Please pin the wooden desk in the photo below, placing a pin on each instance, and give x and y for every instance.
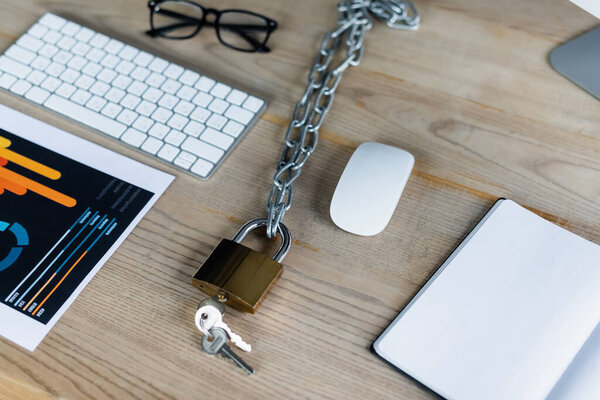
(471, 95)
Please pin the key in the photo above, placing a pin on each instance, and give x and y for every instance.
(209, 316)
(216, 343)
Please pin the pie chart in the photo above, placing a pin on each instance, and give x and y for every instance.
(22, 239)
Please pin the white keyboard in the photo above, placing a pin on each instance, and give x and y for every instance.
(177, 115)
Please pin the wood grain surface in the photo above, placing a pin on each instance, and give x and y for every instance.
(471, 95)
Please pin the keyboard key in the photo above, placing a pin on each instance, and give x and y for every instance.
(77, 63)
(95, 55)
(106, 75)
(184, 108)
(66, 90)
(137, 88)
(168, 152)
(152, 95)
(186, 93)
(84, 82)
(253, 104)
(96, 103)
(127, 117)
(159, 131)
(128, 53)
(161, 115)
(36, 77)
(202, 149)
(193, 128)
(219, 106)
(55, 69)
(217, 138)
(216, 121)
(37, 31)
(239, 114)
(70, 29)
(99, 40)
(20, 54)
(30, 43)
(81, 96)
(84, 34)
(81, 49)
(130, 101)
(143, 59)
(20, 87)
(110, 61)
(99, 88)
(111, 110)
(51, 84)
(122, 82)
(168, 101)
(152, 145)
(13, 67)
(52, 37)
(155, 79)
(134, 137)
(220, 90)
(236, 97)
(125, 67)
(37, 95)
(189, 77)
(202, 99)
(202, 167)
(204, 84)
(146, 108)
(85, 116)
(175, 137)
(158, 65)
(115, 95)
(48, 51)
(40, 63)
(92, 69)
(200, 115)
(173, 71)
(140, 73)
(113, 46)
(69, 75)
(171, 86)
(52, 21)
(181, 162)
(62, 57)
(142, 124)
(66, 43)
(7, 80)
(177, 122)
(233, 128)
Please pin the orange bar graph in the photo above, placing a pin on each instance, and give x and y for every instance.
(58, 284)
(12, 187)
(29, 164)
(37, 188)
(4, 142)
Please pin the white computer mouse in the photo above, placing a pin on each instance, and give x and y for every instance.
(371, 185)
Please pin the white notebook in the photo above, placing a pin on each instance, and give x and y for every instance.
(513, 313)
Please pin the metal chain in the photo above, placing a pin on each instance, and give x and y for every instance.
(303, 131)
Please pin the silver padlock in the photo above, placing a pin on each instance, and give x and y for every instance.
(242, 276)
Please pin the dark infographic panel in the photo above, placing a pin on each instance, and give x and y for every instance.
(58, 217)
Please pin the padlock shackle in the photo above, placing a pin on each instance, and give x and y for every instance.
(286, 236)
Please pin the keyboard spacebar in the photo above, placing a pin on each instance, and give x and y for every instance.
(85, 116)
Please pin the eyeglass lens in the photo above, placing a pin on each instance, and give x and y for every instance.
(176, 19)
(243, 31)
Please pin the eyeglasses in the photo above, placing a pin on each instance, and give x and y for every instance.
(238, 29)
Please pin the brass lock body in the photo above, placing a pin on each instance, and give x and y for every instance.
(242, 275)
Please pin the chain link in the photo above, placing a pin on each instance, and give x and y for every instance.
(302, 133)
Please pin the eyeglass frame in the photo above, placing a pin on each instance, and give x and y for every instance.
(270, 26)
